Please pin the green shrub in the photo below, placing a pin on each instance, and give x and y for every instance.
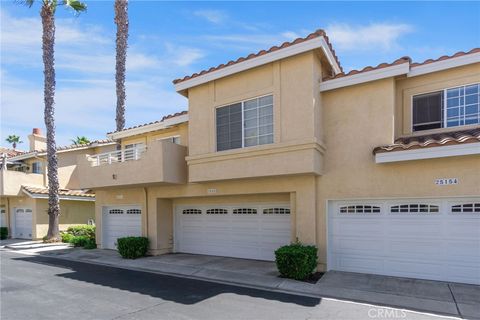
(90, 244)
(79, 241)
(3, 233)
(82, 230)
(66, 237)
(296, 261)
(132, 247)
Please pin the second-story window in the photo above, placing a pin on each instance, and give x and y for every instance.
(452, 107)
(245, 124)
(37, 167)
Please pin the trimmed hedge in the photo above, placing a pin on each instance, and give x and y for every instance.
(132, 247)
(82, 230)
(3, 233)
(79, 241)
(296, 261)
(80, 236)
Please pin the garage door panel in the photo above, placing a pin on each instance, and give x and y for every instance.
(356, 227)
(437, 245)
(357, 245)
(361, 263)
(120, 224)
(464, 229)
(236, 231)
(417, 248)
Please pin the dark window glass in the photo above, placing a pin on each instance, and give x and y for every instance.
(229, 127)
(427, 111)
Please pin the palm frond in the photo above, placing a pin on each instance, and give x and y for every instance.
(76, 5)
(28, 3)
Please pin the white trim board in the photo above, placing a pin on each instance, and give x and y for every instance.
(445, 64)
(429, 153)
(289, 51)
(401, 69)
(149, 127)
(368, 76)
(61, 197)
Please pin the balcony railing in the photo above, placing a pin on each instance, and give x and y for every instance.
(117, 156)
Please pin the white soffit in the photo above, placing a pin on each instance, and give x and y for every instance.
(429, 153)
(291, 50)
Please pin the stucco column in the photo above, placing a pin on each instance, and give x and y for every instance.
(164, 225)
(305, 212)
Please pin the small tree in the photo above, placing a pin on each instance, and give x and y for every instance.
(80, 140)
(13, 140)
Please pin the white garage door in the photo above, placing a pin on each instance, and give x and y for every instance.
(3, 218)
(242, 231)
(23, 223)
(118, 222)
(436, 239)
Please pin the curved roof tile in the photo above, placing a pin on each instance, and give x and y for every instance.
(316, 34)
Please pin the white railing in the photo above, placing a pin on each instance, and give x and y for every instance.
(117, 156)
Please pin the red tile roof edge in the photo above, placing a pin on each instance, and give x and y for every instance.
(169, 116)
(402, 60)
(431, 140)
(63, 192)
(313, 35)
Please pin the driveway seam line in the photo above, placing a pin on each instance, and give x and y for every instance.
(455, 300)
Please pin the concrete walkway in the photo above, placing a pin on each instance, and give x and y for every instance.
(454, 299)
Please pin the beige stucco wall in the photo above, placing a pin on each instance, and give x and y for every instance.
(299, 190)
(177, 130)
(72, 213)
(297, 149)
(344, 124)
(367, 111)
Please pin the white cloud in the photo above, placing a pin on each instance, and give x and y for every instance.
(383, 36)
(213, 16)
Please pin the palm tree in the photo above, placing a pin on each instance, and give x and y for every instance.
(47, 13)
(121, 20)
(13, 140)
(80, 140)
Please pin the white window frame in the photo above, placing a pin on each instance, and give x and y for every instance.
(242, 102)
(40, 167)
(444, 107)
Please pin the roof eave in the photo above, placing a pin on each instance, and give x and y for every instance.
(148, 128)
(315, 43)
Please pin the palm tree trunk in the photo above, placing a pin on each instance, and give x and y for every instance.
(48, 42)
(121, 20)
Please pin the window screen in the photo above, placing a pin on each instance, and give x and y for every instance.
(229, 127)
(37, 167)
(427, 111)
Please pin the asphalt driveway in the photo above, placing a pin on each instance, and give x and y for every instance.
(36, 287)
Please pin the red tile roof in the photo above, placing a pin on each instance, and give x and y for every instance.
(62, 192)
(70, 147)
(316, 34)
(431, 140)
(400, 61)
(455, 55)
(10, 152)
(169, 116)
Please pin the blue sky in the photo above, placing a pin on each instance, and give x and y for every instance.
(173, 39)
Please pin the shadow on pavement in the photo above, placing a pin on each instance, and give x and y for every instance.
(170, 288)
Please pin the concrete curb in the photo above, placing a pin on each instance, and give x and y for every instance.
(280, 288)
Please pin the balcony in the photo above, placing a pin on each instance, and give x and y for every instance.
(298, 158)
(160, 162)
(11, 181)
